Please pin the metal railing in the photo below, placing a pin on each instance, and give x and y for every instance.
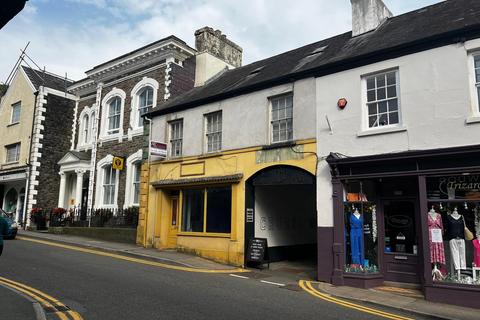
(97, 218)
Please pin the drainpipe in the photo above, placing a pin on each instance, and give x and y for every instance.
(146, 211)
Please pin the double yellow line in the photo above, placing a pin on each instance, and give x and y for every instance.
(49, 303)
(307, 286)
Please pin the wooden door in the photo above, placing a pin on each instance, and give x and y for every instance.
(173, 222)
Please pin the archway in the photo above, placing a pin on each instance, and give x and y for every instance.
(10, 201)
(281, 206)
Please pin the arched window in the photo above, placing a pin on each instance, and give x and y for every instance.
(114, 112)
(145, 103)
(92, 126)
(86, 129)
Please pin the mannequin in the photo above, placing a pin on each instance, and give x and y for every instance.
(456, 238)
(356, 237)
(437, 251)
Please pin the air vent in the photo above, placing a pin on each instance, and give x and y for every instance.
(255, 71)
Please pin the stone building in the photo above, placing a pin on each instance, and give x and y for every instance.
(36, 115)
(108, 123)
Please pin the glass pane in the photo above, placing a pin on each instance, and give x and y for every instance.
(391, 78)
(477, 75)
(370, 83)
(219, 209)
(383, 119)
(372, 121)
(393, 105)
(380, 81)
(400, 235)
(372, 109)
(478, 91)
(477, 61)
(382, 107)
(393, 117)
(289, 112)
(371, 95)
(381, 94)
(392, 91)
(192, 210)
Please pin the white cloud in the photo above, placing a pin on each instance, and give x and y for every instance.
(113, 27)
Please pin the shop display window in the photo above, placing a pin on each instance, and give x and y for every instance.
(454, 228)
(361, 231)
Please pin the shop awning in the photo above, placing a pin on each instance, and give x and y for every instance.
(168, 183)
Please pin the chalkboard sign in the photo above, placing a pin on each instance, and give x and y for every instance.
(257, 251)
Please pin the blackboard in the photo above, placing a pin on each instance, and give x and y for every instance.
(257, 251)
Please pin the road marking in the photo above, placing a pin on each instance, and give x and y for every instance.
(307, 286)
(237, 276)
(274, 283)
(131, 259)
(49, 303)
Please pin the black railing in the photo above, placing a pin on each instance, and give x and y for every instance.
(98, 218)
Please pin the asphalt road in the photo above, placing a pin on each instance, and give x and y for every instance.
(105, 288)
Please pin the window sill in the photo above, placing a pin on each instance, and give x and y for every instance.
(12, 124)
(473, 119)
(278, 145)
(373, 132)
(112, 137)
(11, 163)
(204, 234)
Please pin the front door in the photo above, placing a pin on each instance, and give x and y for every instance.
(401, 258)
(173, 225)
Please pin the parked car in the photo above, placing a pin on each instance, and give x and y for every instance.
(12, 226)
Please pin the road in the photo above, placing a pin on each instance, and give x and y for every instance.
(104, 288)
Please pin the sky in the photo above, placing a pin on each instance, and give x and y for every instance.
(72, 36)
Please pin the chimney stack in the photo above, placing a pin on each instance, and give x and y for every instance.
(367, 15)
(214, 53)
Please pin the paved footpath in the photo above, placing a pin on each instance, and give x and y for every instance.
(105, 285)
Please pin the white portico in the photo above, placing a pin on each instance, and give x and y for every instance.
(74, 168)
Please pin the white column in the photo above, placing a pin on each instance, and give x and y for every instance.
(61, 192)
(79, 187)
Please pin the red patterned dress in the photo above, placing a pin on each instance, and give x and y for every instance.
(437, 251)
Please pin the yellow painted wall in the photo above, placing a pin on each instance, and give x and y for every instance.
(223, 248)
(19, 90)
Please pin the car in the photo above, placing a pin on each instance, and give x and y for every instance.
(12, 226)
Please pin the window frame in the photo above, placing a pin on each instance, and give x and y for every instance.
(204, 232)
(17, 147)
(99, 190)
(365, 102)
(118, 114)
(136, 127)
(475, 83)
(208, 134)
(147, 106)
(172, 140)
(15, 105)
(112, 184)
(271, 124)
(105, 133)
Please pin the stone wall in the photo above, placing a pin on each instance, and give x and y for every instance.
(57, 133)
(217, 44)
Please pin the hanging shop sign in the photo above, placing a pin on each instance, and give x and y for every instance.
(118, 163)
(158, 149)
(257, 252)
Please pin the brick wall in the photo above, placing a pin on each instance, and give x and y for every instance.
(56, 141)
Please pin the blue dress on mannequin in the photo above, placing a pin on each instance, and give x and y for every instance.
(356, 239)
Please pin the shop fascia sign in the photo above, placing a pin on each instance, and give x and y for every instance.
(13, 176)
(158, 149)
(466, 183)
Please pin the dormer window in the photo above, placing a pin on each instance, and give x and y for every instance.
(114, 115)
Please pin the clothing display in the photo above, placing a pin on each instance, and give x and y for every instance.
(356, 239)
(457, 249)
(435, 231)
(476, 252)
(455, 228)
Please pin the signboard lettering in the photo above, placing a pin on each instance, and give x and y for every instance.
(257, 251)
(158, 149)
(249, 215)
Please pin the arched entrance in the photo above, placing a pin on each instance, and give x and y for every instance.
(10, 201)
(283, 201)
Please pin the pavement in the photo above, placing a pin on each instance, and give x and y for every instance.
(283, 274)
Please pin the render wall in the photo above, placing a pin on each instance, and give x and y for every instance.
(436, 98)
(246, 119)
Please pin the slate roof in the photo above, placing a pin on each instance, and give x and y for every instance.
(46, 79)
(447, 22)
(82, 155)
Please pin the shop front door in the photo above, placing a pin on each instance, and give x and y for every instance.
(401, 258)
(173, 225)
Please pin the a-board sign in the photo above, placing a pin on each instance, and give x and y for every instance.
(257, 251)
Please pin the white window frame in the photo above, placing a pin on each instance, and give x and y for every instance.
(15, 105)
(365, 114)
(17, 147)
(83, 143)
(105, 135)
(133, 160)
(207, 133)
(271, 100)
(99, 194)
(174, 140)
(474, 84)
(135, 128)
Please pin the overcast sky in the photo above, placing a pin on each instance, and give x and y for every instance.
(74, 35)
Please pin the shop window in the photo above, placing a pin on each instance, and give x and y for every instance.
(382, 99)
(361, 229)
(209, 205)
(454, 228)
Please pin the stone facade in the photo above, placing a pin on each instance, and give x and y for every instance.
(217, 44)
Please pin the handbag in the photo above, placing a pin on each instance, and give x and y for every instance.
(468, 233)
